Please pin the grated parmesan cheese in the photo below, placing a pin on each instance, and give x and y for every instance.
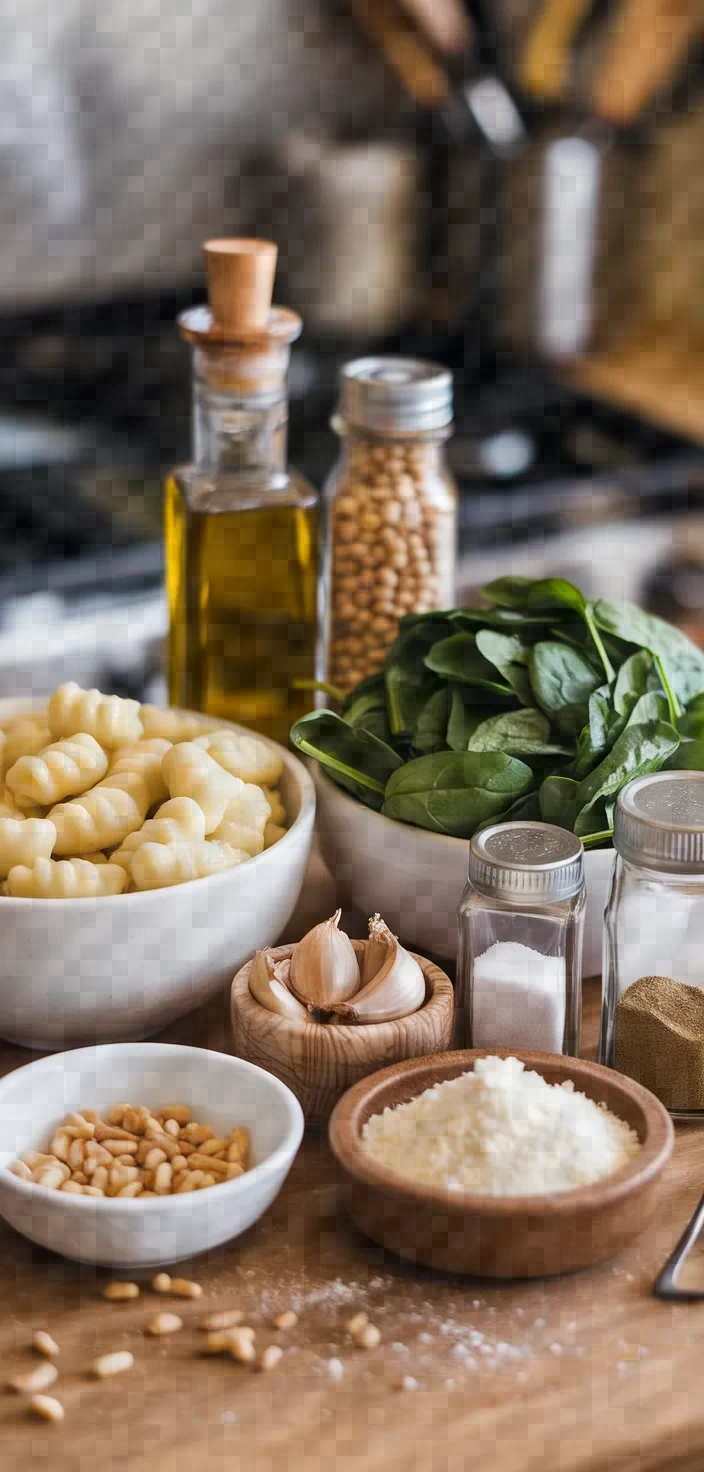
(501, 1131)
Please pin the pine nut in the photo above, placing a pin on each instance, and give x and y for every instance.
(227, 1318)
(80, 1178)
(71, 1188)
(40, 1378)
(183, 1288)
(51, 1176)
(357, 1322)
(61, 1145)
(180, 1112)
(47, 1408)
(120, 1292)
(368, 1337)
(78, 1125)
(242, 1346)
(286, 1320)
(113, 1364)
(270, 1358)
(44, 1344)
(161, 1283)
(173, 1128)
(154, 1158)
(164, 1324)
(239, 1146)
(197, 1134)
(233, 1171)
(99, 1178)
(178, 1162)
(117, 1113)
(162, 1179)
(213, 1147)
(134, 1189)
(19, 1168)
(122, 1146)
(136, 1120)
(208, 1164)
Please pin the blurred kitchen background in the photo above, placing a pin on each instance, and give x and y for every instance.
(511, 186)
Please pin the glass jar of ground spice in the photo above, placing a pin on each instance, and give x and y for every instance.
(653, 1012)
(391, 510)
(521, 923)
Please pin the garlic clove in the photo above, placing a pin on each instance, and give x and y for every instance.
(395, 990)
(268, 986)
(324, 970)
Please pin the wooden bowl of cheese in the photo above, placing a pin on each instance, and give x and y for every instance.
(543, 1228)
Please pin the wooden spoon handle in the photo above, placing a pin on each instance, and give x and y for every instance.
(404, 50)
(445, 23)
(650, 40)
(543, 69)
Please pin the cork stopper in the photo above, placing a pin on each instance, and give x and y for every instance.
(240, 285)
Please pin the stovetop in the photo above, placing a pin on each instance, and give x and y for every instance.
(95, 406)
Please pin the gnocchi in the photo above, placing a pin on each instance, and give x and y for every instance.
(60, 770)
(112, 721)
(245, 757)
(158, 865)
(65, 879)
(100, 794)
(190, 771)
(23, 841)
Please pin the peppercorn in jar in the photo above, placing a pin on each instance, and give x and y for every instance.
(391, 508)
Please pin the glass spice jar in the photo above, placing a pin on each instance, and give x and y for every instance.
(391, 511)
(653, 996)
(521, 925)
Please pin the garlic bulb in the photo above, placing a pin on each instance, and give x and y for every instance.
(324, 970)
(393, 983)
(268, 983)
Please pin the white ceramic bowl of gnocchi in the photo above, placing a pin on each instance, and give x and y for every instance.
(122, 1233)
(133, 863)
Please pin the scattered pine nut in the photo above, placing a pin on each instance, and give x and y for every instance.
(183, 1288)
(164, 1324)
(286, 1320)
(113, 1364)
(47, 1408)
(119, 1292)
(161, 1283)
(357, 1323)
(242, 1345)
(40, 1378)
(368, 1337)
(44, 1344)
(270, 1358)
(227, 1318)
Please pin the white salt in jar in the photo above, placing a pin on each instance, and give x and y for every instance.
(521, 923)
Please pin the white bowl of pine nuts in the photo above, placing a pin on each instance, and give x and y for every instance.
(216, 1095)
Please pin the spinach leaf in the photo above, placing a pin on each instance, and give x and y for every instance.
(638, 750)
(559, 803)
(649, 707)
(509, 656)
(408, 682)
(431, 731)
(525, 809)
(451, 792)
(355, 759)
(459, 659)
(535, 594)
(683, 661)
(689, 757)
(464, 719)
(562, 681)
(632, 681)
(519, 732)
(365, 708)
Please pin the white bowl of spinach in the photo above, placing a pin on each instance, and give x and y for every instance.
(541, 704)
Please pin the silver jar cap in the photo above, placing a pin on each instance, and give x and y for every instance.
(659, 822)
(527, 862)
(396, 395)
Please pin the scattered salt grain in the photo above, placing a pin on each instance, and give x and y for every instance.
(336, 1370)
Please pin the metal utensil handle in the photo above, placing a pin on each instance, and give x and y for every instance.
(665, 1285)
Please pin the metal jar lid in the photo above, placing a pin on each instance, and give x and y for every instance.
(659, 822)
(527, 862)
(396, 395)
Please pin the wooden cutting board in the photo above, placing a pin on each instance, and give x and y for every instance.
(587, 1372)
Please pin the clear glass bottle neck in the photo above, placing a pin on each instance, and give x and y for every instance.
(240, 415)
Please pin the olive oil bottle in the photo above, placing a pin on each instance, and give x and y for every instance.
(241, 529)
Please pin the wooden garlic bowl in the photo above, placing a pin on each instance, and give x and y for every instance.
(320, 1061)
(501, 1236)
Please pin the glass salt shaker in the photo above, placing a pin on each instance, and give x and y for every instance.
(390, 507)
(521, 924)
(653, 996)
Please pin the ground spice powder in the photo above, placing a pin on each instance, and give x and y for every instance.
(660, 1039)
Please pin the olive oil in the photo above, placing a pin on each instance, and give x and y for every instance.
(242, 589)
(241, 530)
